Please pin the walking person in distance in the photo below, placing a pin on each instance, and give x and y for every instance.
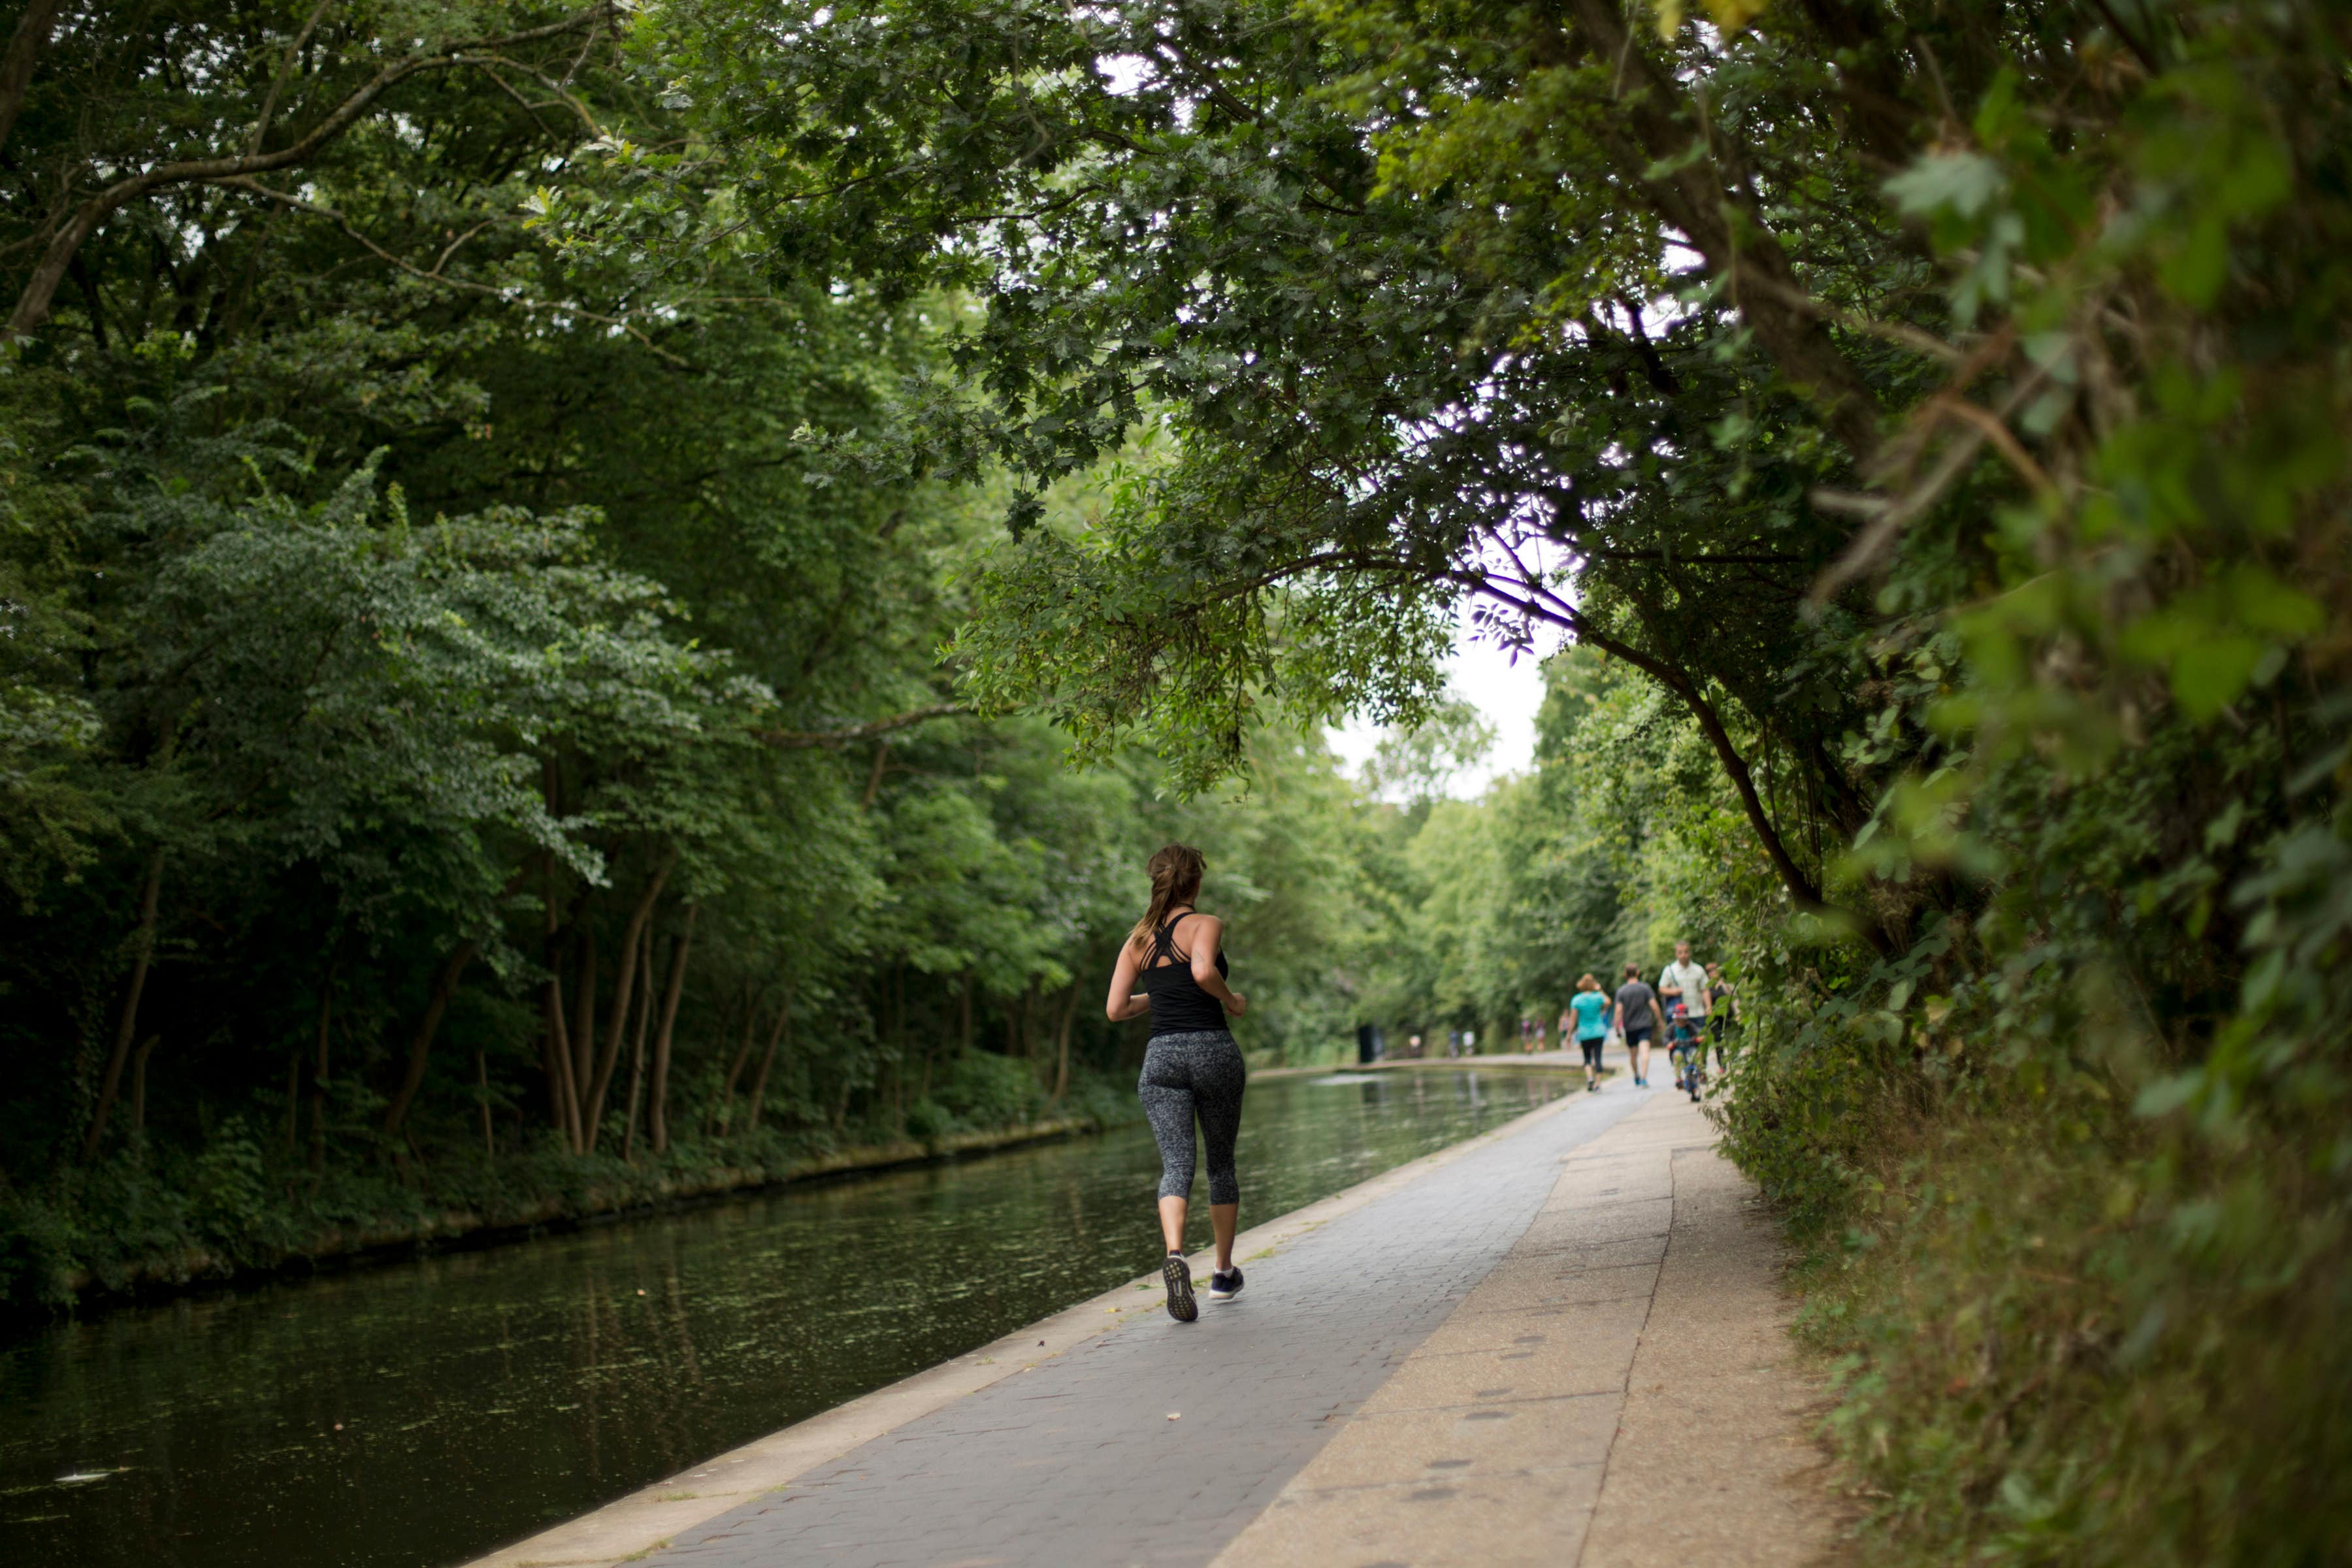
(1588, 1014)
(1684, 981)
(1637, 1018)
(1192, 1071)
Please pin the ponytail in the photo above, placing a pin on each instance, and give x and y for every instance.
(1175, 880)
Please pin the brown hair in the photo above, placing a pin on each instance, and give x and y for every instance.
(1587, 981)
(1633, 971)
(1175, 880)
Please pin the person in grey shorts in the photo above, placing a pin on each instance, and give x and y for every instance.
(1192, 1071)
(1637, 1019)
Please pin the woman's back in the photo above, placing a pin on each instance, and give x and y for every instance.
(1179, 1004)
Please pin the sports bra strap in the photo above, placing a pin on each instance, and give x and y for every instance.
(1164, 939)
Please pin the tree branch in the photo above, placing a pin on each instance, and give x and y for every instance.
(467, 285)
(806, 740)
(285, 69)
(25, 46)
(1803, 888)
(32, 307)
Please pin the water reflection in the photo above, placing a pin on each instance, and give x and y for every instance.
(419, 1415)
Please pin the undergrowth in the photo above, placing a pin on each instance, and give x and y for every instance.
(2065, 1324)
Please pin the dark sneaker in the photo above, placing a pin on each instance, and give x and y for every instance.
(1178, 1274)
(1225, 1284)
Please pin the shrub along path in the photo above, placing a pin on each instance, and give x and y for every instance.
(1559, 1343)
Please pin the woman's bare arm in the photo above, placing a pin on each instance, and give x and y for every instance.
(1205, 937)
(1125, 1002)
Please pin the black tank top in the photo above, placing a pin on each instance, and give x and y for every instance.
(1179, 1005)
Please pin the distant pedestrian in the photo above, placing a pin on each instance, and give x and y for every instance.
(1588, 1014)
(1684, 981)
(1636, 1016)
(1722, 1015)
(1192, 1067)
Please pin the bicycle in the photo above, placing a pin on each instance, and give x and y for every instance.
(1686, 1048)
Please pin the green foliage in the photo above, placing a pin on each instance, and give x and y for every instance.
(427, 597)
(1936, 416)
(1943, 408)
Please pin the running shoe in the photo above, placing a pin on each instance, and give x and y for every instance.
(1225, 1284)
(1178, 1274)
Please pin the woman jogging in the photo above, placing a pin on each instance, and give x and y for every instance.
(1590, 1008)
(1192, 1067)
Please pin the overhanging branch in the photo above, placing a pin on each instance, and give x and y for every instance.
(808, 740)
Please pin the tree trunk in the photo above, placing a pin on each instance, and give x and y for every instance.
(445, 986)
(784, 1031)
(725, 1104)
(319, 1070)
(616, 1027)
(638, 1054)
(584, 1038)
(1017, 1021)
(139, 1084)
(482, 1098)
(1062, 1043)
(24, 47)
(126, 1027)
(556, 1056)
(293, 1095)
(560, 1089)
(658, 1110)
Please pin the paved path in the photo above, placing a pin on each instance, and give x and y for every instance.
(1558, 1341)
(1617, 1393)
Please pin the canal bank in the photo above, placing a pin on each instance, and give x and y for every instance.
(182, 1270)
(344, 1247)
(1562, 1341)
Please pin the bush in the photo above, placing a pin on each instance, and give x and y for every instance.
(36, 1258)
(2070, 1321)
(980, 1090)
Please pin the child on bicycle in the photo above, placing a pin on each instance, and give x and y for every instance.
(1687, 1050)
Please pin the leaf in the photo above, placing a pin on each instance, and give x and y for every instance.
(2196, 270)
(1733, 15)
(2207, 675)
(2166, 1095)
(1964, 184)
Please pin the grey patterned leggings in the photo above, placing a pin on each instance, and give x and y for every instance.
(1186, 1075)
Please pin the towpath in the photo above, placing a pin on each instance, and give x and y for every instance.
(1563, 1343)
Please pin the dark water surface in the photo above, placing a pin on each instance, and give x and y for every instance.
(417, 1414)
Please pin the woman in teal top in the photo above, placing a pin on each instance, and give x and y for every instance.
(1591, 1008)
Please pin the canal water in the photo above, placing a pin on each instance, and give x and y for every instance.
(420, 1414)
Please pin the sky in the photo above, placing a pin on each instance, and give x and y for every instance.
(1508, 693)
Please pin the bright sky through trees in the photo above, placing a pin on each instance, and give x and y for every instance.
(1506, 687)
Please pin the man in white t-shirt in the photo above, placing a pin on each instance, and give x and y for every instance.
(1684, 982)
